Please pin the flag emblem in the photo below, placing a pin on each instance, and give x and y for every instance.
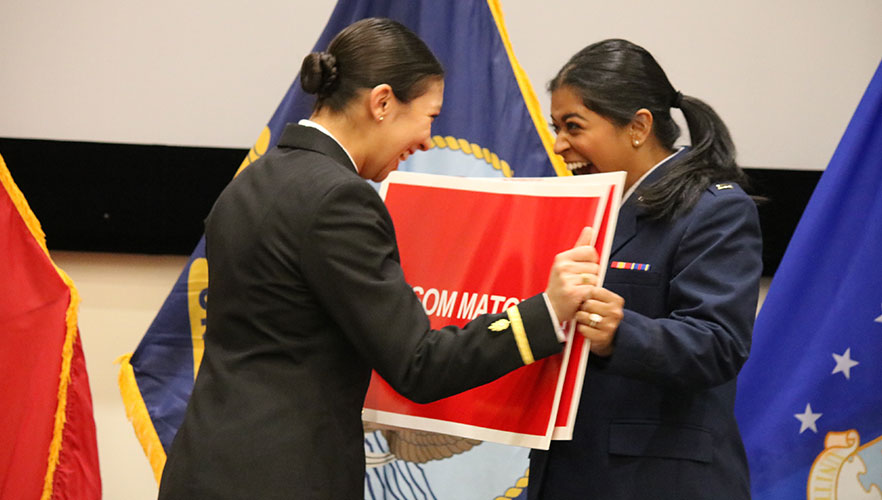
(845, 468)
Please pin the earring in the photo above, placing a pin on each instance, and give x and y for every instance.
(381, 118)
(636, 143)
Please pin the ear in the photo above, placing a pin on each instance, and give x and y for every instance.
(640, 127)
(380, 100)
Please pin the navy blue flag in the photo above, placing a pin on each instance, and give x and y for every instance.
(490, 126)
(810, 397)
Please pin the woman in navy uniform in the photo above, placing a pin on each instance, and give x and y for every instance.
(671, 327)
(307, 294)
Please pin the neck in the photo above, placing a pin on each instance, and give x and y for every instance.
(647, 156)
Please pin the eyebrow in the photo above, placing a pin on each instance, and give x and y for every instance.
(568, 116)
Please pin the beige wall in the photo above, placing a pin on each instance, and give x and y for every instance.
(120, 296)
(786, 75)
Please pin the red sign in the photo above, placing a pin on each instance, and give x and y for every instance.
(471, 246)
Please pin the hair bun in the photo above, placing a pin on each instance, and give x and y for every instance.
(318, 74)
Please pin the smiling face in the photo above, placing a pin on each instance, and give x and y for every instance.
(405, 129)
(588, 142)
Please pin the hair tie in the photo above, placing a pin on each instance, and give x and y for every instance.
(678, 99)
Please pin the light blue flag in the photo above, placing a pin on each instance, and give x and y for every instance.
(490, 125)
(810, 397)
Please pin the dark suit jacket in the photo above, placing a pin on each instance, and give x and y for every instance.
(306, 295)
(656, 418)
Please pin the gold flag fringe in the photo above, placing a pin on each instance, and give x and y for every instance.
(136, 411)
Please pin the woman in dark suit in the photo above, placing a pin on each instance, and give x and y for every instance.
(671, 327)
(307, 294)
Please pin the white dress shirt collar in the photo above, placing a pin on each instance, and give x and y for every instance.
(310, 123)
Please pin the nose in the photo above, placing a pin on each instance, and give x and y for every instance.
(425, 144)
(560, 144)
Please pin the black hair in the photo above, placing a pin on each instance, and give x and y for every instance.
(365, 54)
(616, 78)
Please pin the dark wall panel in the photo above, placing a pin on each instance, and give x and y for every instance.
(787, 192)
(120, 197)
(152, 199)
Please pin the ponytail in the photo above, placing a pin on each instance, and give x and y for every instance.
(711, 159)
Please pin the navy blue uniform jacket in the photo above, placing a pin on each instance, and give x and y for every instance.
(306, 295)
(656, 418)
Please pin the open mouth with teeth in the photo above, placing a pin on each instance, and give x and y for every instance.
(581, 168)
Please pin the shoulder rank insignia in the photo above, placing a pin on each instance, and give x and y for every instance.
(499, 325)
(721, 187)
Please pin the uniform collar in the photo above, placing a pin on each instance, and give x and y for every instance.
(631, 210)
(310, 123)
(313, 139)
(648, 174)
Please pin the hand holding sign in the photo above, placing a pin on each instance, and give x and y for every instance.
(573, 275)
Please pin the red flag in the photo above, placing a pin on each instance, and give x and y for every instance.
(48, 448)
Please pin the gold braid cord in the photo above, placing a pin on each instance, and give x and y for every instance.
(516, 490)
(475, 150)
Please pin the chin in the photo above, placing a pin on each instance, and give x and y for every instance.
(385, 174)
(386, 171)
(380, 177)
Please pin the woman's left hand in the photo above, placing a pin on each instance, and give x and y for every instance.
(598, 319)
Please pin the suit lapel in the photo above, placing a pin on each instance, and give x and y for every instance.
(309, 138)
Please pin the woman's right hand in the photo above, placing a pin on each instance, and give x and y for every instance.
(598, 319)
(573, 273)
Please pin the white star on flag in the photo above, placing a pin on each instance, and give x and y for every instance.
(844, 363)
(808, 419)
(878, 320)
